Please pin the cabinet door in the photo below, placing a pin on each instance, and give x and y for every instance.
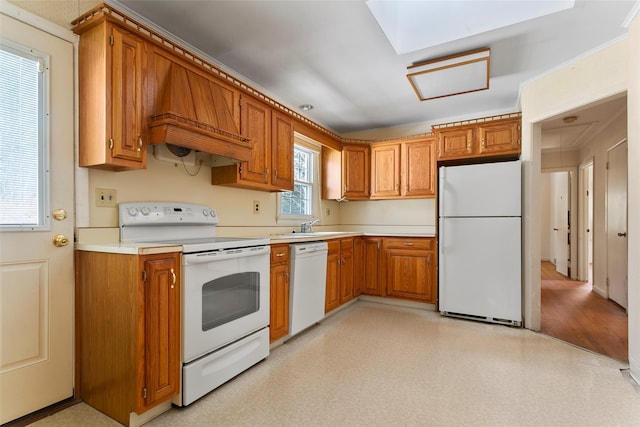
(455, 143)
(346, 270)
(279, 314)
(331, 174)
(161, 308)
(256, 125)
(419, 168)
(281, 151)
(499, 138)
(410, 274)
(385, 171)
(355, 172)
(371, 267)
(128, 128)
(332, 297)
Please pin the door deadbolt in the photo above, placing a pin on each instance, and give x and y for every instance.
(60, 240)
(59, 214)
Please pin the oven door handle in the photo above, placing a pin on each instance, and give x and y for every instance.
(206, 257)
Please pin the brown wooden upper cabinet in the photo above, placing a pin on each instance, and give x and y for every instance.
(270, 167)
(483, 139)
(346, 174)
(403, 169)
(113, 131)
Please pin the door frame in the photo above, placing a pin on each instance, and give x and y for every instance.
(585, 221)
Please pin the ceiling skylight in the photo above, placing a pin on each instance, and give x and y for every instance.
(414, 25)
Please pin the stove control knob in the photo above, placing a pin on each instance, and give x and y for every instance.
(145, 211)
(133, 211)
(205, 212)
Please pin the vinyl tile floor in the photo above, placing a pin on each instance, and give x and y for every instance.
(379, 365)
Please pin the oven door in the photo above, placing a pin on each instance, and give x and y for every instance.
(226, 297)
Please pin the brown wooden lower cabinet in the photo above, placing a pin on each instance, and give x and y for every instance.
(127, 331)
(398, 268)
(339, 273)
(410, 268)
(279, 288)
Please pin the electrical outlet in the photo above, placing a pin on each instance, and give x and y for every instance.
(328, 212)
(106, 198)
(256, 206)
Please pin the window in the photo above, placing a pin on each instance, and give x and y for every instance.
(300, 202)
(23, 161)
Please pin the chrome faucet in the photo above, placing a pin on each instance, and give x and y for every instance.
(307, 227)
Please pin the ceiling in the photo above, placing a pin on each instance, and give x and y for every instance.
(335, 56)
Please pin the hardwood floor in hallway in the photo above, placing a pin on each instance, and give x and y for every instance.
(572, 312)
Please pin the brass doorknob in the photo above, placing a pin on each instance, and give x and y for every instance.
(60, 240)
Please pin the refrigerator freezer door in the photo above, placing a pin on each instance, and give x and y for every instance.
(479, 271)
(488, 189)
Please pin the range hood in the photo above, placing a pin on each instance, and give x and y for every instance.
(193, 113)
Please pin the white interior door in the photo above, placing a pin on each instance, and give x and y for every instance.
(561, 221)
(36, 277)
(617, 224)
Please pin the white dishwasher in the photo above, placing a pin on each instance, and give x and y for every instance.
(308, 271)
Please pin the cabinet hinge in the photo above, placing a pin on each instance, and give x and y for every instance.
(144, 275)
(144, 392)
(111, 40)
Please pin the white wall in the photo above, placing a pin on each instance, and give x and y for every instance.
(597, 152)
(595, 77)
(385, 216)
(164, 181)
(633, 104)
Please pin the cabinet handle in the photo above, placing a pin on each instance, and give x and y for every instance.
(266, 173)
(484, 144)
(110, 143)
(344, 189)
(408, 243)
(469, 145)
(280, 254)
(139, 143)
(286, 275)
(173, 278)
(275, 174)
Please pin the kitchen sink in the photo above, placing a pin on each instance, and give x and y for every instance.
(314, 234)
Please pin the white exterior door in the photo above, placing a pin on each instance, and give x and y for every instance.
(36, 277)
(617, 224)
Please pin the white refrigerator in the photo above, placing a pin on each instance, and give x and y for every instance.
(480, 242)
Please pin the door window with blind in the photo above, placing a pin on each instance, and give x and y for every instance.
(23, 138)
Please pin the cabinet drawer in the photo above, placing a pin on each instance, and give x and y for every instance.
(426, 243)
(279, 253)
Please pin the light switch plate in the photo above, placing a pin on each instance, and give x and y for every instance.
(106, 198)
